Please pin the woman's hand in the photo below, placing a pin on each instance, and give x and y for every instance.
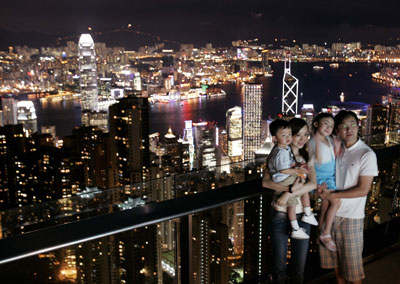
(282, 201)
(298, 184)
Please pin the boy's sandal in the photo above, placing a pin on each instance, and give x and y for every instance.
(328, 242)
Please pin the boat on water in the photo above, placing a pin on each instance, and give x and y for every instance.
(318, 67)
(217, 94)
(334, 65)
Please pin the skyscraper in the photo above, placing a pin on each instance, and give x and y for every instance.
(27, 116)
(88, 74)
(9, 107)
(289, 91)
(252, 107)
(234, 129)
(129, 126)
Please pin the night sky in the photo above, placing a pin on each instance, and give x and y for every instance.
(215, 21)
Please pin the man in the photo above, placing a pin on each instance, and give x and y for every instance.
(356, 167)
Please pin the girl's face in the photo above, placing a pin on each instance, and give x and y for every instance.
(325, 126)
(301, 137)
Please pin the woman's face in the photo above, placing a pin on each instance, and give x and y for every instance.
(301, 137)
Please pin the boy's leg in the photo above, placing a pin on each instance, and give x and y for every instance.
(297, 232)
(308, 216)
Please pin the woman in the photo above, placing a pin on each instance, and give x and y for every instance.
(280, 225)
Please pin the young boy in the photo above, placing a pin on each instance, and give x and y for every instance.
(281, 165)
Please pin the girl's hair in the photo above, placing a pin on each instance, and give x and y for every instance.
(297, 124)
(318, 118)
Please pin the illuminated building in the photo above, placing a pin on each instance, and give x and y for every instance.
(188, 145)
(26, 114)
(129, 128)
(289, 91)
(252, 109)
(307, 113)
(376, 125)
(206, 142)
(234, 127)
(88, 73)
(9, 107)
(392, 102)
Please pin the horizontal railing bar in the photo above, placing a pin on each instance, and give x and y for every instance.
(59, 236)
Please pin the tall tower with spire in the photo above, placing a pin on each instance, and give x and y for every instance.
(88, 74)
(289, 91)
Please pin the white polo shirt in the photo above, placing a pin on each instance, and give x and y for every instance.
(358, 160)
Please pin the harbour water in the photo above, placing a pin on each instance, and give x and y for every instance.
(319, 87)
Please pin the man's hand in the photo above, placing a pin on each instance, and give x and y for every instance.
(323, 191)
(282, 201)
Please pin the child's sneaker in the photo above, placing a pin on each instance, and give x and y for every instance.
(310, 219)
(299, 234)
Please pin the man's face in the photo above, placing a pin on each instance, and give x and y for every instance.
(284, 136)
(348, 130)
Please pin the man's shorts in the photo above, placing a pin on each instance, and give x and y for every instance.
(348, 235)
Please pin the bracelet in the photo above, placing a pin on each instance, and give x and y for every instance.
(290, 188)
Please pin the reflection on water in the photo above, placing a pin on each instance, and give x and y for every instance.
(319, 88)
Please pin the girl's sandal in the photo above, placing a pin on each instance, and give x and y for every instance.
(328, 242)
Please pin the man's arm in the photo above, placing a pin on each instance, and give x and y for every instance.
(360, 190)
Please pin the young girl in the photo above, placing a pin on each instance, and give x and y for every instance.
(321, 148)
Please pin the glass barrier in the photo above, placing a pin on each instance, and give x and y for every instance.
(95, 202)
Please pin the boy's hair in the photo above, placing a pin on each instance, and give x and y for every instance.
(318, 118)
(342, 115)
(278, 124)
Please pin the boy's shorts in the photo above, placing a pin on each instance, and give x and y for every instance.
(292, 201)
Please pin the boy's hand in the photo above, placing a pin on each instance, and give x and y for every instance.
(282, 201)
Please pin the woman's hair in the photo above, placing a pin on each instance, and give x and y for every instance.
(318, 118)
(297, 124)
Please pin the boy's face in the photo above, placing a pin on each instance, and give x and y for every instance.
(283, 136)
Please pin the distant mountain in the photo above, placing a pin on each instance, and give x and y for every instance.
(130, 39)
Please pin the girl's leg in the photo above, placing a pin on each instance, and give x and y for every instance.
(334, 205)
(322, 216)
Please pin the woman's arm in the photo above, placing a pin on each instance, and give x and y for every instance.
(268, 183)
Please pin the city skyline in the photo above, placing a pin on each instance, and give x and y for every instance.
(202, 22)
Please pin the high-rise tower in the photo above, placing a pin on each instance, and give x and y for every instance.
(289, 91)
(88, 74)
(251, 119)
(235, 133)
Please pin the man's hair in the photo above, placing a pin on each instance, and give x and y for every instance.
(278, 124)
(342, 115)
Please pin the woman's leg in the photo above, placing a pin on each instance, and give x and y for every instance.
(299, 255)
(279, 231)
